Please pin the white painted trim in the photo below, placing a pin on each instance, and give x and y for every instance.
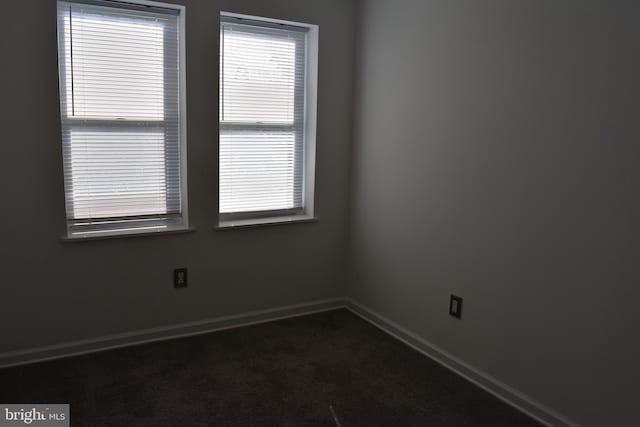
(125, 233)
(502, 391)
(182, 94)
(267, 19)
(310, 118)
(153, 3)
(258, 222)
(94, 345)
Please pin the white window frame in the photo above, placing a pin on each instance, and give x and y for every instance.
(146, 226)
(307, 212)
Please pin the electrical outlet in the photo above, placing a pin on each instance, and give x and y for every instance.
(455, 306)
(180, 278)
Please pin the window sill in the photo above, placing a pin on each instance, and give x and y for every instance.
(260, 222)
(119, 234)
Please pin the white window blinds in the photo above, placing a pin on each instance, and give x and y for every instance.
(262, 117)
(119, 67)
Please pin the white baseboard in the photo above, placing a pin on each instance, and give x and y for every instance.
(93, 345)
(518, 400)
(513, 397)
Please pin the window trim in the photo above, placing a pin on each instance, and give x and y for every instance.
(262, 222)
(173, 223)
(306, 213)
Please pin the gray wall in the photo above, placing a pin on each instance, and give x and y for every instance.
(53, 292)
(496, 157)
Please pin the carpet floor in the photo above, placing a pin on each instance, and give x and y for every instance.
(326, 369)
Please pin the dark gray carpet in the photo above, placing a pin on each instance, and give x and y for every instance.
(326, 369)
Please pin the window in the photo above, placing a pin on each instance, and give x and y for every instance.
(267, 119)
(123, 135)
